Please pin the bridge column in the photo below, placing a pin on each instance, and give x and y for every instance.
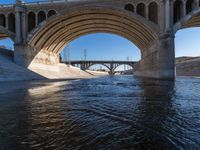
(196, 4)
(111, 73)
(18, 22)
(184, 9)
(159, 60)
(111, 69)
(83, 66)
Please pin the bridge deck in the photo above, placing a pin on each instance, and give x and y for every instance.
(99, 61)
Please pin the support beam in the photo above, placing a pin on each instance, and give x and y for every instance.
(18, 22)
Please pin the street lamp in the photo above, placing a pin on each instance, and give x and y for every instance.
(85, 54)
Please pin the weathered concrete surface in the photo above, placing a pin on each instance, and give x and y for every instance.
(188, 66)
(44, 66)
(40, 38)
(158, 61)
(9, 71)
(59, 71)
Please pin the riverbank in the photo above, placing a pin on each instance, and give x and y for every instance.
(188, 66)
(9, 71)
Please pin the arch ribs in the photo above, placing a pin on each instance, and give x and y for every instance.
(185, 14)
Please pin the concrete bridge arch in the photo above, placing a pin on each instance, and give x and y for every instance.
(52, 36)
(111, 67)
(7, 26)
(130, 65)
(186, 14)
(5, 33)
(151, 25)
(93, 64)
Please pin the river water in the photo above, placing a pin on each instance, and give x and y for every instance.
(107, 113)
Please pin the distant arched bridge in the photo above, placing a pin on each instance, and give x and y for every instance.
(110, 65)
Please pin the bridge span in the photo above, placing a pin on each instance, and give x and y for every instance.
(41, 30)
(110, 65)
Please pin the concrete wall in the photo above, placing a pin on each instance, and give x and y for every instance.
(26, 56)
(45, 64)
(158, 61)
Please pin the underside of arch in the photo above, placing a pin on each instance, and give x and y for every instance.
(98, 64)
(191, 20)
(123, 64)
(3, 36)
(68, 26)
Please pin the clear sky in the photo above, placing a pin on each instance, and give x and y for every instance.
(107, 46)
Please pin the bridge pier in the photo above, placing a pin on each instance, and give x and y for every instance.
(111, 72)
(158, 61)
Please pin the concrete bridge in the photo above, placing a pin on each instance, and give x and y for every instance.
(110, 65)
(40, 30)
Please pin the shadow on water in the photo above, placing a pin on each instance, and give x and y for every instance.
(156, 106)
(102, 113)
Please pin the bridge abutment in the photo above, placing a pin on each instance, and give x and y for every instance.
(42, 62)
(159, 60)
(26, 56)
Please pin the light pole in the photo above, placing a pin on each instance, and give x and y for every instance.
(85, 54)
(67, 54)
(127, 60)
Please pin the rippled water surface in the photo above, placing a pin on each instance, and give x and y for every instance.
(113, 113)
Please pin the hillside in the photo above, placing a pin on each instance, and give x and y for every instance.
(188, 66)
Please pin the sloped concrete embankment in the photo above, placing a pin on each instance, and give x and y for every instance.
(97, 73)
(9, 71)
(59, 71)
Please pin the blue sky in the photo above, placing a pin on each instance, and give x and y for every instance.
(108, 46)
